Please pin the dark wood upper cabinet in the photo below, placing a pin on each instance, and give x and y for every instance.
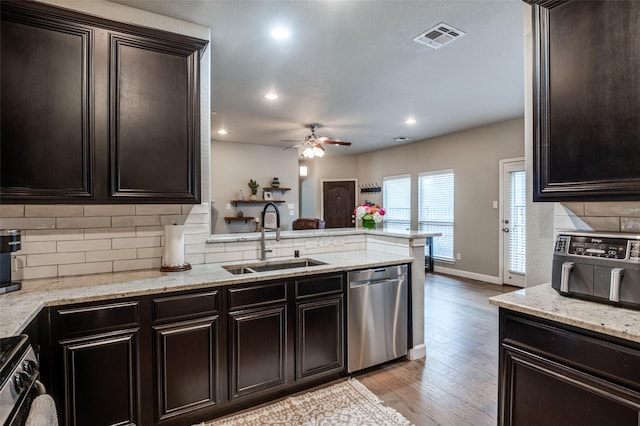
(154, 110)
(96, 111)
(586, 100)
(47, 131)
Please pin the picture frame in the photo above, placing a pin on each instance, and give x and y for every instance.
(268, 195)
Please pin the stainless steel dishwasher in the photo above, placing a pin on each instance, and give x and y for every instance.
(377, 316)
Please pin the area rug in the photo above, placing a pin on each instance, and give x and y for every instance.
(346, 403)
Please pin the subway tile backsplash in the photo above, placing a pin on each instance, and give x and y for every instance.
(61, 240)
(598, 216)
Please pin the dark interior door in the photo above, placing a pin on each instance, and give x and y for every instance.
(339, 201)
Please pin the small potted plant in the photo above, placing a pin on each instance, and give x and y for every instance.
(253, 186)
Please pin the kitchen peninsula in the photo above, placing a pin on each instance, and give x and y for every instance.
(139, 324)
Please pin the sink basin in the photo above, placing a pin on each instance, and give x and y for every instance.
(248, 268)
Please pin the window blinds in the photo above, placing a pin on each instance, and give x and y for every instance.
(435, 210)
(396, 193)
(517, 223)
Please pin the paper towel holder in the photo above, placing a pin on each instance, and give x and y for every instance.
(182, 266)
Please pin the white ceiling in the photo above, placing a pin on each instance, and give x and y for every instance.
(352, 67)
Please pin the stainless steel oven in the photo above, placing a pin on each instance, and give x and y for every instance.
(19, 384)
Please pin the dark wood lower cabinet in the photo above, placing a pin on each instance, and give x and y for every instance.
(258, 350)
(320, 337)
(552, 374)
(183, 358)
(186, 367)
(101, 379)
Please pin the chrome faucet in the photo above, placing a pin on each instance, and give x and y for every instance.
(263, 250)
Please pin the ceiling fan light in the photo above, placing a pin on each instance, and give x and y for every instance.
(308, 152)
(318, 151)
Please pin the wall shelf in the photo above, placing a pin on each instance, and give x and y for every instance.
(239, 219)
(270, 188)
(236, 202)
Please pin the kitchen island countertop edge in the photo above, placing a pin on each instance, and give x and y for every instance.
(544, 302)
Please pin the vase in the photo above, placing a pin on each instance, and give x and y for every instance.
(253, 197)
(368, 224)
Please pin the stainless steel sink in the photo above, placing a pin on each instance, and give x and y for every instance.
(248, 268)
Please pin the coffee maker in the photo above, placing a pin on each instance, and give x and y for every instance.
(9, 243)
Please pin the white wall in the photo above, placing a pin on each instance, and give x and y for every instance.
(474, 157)
(233, 164)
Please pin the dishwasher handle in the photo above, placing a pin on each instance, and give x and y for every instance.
(355, 284)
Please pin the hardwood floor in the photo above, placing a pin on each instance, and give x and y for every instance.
(457, 383)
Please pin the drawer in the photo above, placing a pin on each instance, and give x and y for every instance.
(90, 318)
(319, 286)
(594, 353)
(185, 306)
(256, 295)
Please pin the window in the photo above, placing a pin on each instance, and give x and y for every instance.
(396, 192)
(435, 210)
(517, 223)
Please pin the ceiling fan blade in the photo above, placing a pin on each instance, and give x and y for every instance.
(332, 142)
(292, 146)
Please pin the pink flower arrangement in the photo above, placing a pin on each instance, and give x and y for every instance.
(369, 211)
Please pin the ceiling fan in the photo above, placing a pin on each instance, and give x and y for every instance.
(313, 143)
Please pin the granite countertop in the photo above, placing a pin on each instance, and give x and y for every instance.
(21, 307)
(329, 232)
(544, 302)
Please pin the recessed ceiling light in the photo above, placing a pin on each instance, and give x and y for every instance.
(280, 33)
(411, 121)
(222, 132)
(271, 96)
(401, 139)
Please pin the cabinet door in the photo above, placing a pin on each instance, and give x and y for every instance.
(319, 337)
(541, 392)
(154, 114)
(258, 352)
(577, 376)
(186, 366)
(586, 100)
(47, 131)
(101, 377)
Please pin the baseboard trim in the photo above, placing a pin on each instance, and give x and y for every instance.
(417, 352)
(466, 274)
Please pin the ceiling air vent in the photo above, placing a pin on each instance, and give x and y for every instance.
(438, 36)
